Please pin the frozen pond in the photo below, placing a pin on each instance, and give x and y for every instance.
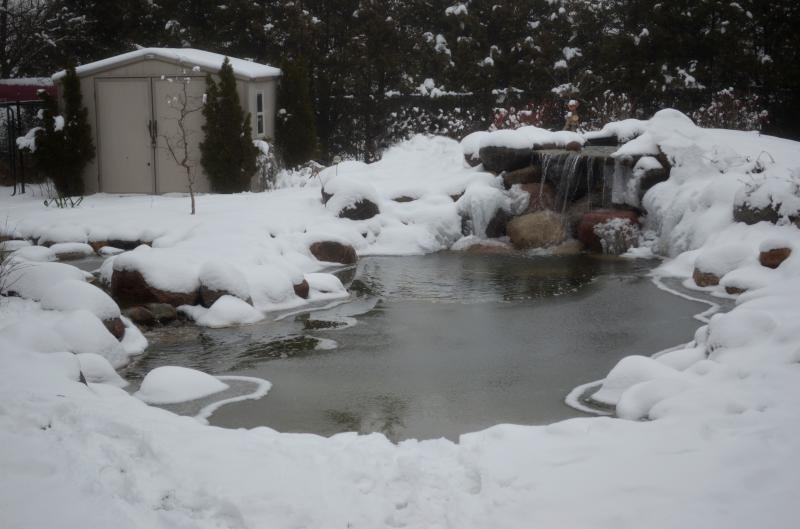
(436, 345)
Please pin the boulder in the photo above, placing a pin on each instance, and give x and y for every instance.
(115, 327)
(209, 295)
(139, 315)
(162, 312)
(472, 160)
(536, 230)
(604, 141)
(403, 199)
(489, 249)
(118, 243)
(773, 257)
(752, 215)
(735, 291)
(705, 279)
(586, 228)
(573, 146)
(333, 252)
(568, 248)
(526, 175)
(456, 197)
(301, 289)
(542, 196)
(362, 210)
(497, 226)
(129, 287)
(499, 159)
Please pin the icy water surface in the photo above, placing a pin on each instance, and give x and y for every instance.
(436, 345)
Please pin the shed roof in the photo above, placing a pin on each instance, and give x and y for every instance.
(188, 57)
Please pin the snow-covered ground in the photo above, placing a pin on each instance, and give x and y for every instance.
(717, 448)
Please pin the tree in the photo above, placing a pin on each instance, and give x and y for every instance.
(227, 153)
(296, 135)
(64, 144)
(178, 144)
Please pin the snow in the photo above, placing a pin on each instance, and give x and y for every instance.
(173, 384)
(186, 57)
(529, 136)
(77, 248)
(225, 312)
(224, 276)
(33, 280)
(705, 433)
(39, 254)
(73, 294)
(98, 370)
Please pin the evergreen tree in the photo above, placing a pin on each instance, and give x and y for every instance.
(296, 135)
(64, 145)
(227, 153)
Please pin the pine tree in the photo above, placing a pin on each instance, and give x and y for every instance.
(296, 136)
(227, 153)
(63, 151)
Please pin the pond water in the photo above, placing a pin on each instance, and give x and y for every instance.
(435, 345)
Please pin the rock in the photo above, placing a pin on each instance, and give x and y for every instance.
(334, 252)
(573, 146)
(536, 230)
(456, 197)
(115, 327)
(774, 257)
(751, 215)
(208, 296)
(301, 289)
(542, 196)
(118, 243)
(326, 196)
(704, 279)
(472, 160)
(362, 210)
(499, 159)
(604, 141)
(735, 291)
(649, 178)
(489, 249)
(404, 199)
(586, 226)
(526, 175)
(128, 288)
(575, 213)
(71, 251)
(568, 248)
(162, 312)
(497, 225)
(139, 315)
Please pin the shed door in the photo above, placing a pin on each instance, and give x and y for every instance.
(125, 151)
(168, 103)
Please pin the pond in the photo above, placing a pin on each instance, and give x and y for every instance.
(436, 345)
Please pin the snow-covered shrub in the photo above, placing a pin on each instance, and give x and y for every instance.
(266, 167)
(729, 109)
(606, 108)
(544, 114)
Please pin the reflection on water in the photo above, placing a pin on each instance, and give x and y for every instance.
(437, 345)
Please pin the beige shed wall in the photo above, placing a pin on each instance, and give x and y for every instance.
(169, 177)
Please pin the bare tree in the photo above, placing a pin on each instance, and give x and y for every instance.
(178, 143)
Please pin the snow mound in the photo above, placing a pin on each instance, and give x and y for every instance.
(224, 276)
(527, 137)
(161, 269)
(173, 384)
(225, 312)
(326, 283)
(74, 248)
(39, 254)
(72, 294)
(96, 369)
(628, 372)
(719, 260)
(32, 280)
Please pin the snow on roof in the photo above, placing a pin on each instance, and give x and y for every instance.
(27, 81)
(185, 56)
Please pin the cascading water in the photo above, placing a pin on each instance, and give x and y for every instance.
(574, 175)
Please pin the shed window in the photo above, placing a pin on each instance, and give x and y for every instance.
(260, 112)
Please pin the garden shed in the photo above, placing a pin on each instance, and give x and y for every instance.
(130, 100)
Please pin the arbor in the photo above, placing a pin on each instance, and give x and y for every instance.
(64, 144)
(227, 153)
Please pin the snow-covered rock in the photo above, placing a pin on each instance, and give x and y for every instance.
(173, 384)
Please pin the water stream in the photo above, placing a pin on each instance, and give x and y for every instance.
(436, 345)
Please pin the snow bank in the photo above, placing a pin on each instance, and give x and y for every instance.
(33, 280)
(172, 384)
(73, 294)
(224, 276)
